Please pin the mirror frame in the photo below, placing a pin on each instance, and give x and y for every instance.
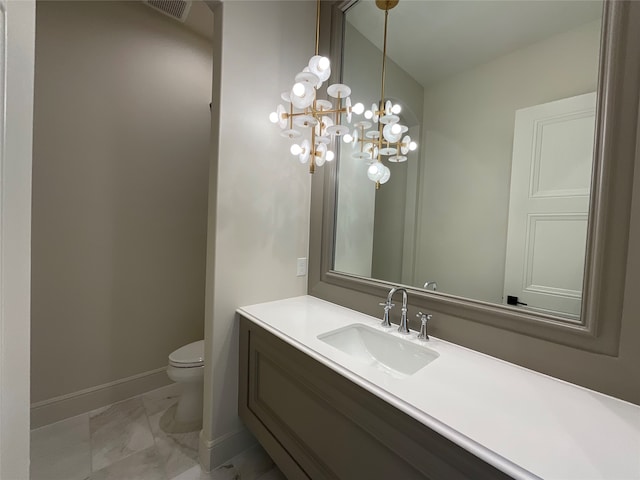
(609, 210)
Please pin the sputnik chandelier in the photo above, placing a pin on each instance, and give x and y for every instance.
(387, 139)
(320, 119)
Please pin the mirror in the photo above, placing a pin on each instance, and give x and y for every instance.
(493, 206)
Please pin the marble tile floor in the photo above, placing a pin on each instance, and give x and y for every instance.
(124, 441)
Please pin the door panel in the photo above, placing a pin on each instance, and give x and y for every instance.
(549, 203)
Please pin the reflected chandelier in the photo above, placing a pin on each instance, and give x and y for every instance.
(389, 138)
(304, 112)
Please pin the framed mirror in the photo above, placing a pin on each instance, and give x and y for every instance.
(507, 213)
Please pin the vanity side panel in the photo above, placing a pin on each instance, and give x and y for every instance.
(334, 428)
(274, 448)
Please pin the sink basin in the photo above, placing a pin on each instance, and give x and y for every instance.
(382, 350)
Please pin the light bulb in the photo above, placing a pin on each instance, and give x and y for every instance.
(347, 138)
(273, 117)
(320, 67)
(358, 108)
(330, 156)
(396, 109)
(324, 63)
(413, 146)
(375, 171)
(392, 132)
(368, 114)
(296, 149)
(298, 89)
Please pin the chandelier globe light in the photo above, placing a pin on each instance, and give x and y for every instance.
(312, 123)
(389, 138)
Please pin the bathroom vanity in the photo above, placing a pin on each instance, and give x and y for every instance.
(322, 389)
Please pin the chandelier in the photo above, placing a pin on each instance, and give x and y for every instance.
(312, 122)
(389, 138)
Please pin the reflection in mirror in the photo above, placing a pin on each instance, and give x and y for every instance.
(494, 204)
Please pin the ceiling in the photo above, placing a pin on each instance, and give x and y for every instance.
(433, 39)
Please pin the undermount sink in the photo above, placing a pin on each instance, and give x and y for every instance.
(389, 353)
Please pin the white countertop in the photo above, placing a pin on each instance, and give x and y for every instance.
(524, 423)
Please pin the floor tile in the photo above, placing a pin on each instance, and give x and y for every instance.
(161, 399)
(61, 451)
(179, 451)
(249, 465)
(194, 473)
(144, 465)
(118, 431)
(252, 463)
(227, 472)
(128, 441)
(273, 474)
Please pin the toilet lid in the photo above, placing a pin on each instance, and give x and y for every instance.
(191, 355)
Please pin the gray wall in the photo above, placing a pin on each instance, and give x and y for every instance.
(467, 150)
(121, 146)
(259, 195)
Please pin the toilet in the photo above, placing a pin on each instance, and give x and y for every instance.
(186, 367)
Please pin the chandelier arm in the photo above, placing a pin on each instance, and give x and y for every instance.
(312, 157)
(361, 139)
(298, 114)
(291, 116)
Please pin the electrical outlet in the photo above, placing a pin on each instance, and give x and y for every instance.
(301, 268)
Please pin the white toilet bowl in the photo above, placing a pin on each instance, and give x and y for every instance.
(186, 367)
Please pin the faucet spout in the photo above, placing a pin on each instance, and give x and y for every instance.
(403, 328)
(433, 285)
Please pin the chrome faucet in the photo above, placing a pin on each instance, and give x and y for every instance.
(403, 328)
(424, 318)
(388, 306)
(431, 284)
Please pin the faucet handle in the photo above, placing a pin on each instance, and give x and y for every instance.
(424, 317)
(386, 323)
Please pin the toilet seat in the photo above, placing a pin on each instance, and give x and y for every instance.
(189, 356)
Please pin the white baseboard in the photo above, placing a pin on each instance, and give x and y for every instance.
(75, 403)
(214, 453)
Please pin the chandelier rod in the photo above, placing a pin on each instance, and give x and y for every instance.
(384, 58)
(317, 27)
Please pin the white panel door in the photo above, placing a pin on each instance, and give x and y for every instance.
(549, 203)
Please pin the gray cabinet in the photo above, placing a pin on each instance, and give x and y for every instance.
(317, 424)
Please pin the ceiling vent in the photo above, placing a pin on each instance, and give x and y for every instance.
(177, 9)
